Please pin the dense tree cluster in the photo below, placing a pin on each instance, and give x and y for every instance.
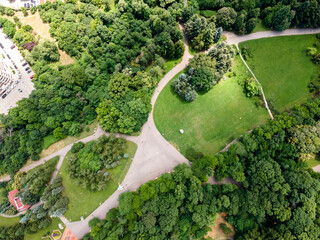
(112, 50)
(175, 206)
(36, 179)
(9, 28)
(204, 71)
(53, 204)
(200, 33)
(275, 197)
(242, 15)
(89, 163)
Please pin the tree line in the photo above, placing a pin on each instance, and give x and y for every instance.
(275, 196)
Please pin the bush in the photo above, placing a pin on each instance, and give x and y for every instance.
(253, 88)
(77, 147)
(35, 157)
(33, 10)
(225, 228)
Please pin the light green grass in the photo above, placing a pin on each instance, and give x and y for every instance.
(314, 161)
(283, 68)
(212, 120)
(112, 5)
(171, 64)
(68, 140)
(83, 202)
(260, 27)
(48, 141)
(207, 13)
(54, 226)
(6, 222)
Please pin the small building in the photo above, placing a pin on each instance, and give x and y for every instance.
(16, 201)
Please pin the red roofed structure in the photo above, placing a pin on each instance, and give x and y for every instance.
(16, 201)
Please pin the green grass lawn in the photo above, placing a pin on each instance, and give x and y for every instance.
(283, 68)
(314, 161)
(260, 27)
(212, 120)
(171, 64)
(48, 141)
(42, 232)
(6, 222)
(83, 202)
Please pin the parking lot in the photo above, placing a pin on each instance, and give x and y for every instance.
(20, 88)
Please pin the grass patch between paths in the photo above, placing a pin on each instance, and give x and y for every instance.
(54, 145)
(38, 235)
(283, 68)
(6, 222)
(82, 201)
(213, 120)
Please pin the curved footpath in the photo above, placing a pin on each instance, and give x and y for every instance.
(154, 155)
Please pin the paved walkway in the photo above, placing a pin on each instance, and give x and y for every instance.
(154, 155)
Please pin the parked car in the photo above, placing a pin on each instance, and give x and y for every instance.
(15, 66)
(27, 68)
(13, 46)
(23, 64)
(19, 77)
(1, 45)
(4, 96)
(22, 59)
(17, 81)
(29, 71)
(19, 90)
(8, 56)
(31, 77)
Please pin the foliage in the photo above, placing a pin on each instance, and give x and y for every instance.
(200, 33)
(89, 162)
(122, 43)
(45, 51)
(226, 230)
(252, 87)
(36, 179)
(242, 16)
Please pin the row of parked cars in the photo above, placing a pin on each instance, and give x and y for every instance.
(24, 64)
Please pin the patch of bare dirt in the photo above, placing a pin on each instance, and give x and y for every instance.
(216, 232)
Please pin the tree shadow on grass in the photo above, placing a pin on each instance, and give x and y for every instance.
(192, 154)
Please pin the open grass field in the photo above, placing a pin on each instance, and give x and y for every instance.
(283, 68)
(83, 202)
(210, 122)
(6, 222)
(54, 226)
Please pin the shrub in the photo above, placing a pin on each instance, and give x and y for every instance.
(253, 88)
(225, 228)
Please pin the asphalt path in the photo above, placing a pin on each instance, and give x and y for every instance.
(154, 155)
